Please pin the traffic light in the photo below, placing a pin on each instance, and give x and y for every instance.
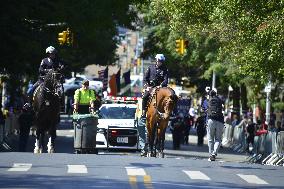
(180, 46)
(138, 61)
(62, 37)
(69, 37)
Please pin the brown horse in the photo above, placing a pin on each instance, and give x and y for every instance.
(160, 107)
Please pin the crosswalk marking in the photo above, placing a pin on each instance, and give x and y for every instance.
(135, 171)
(252, 179)
(196, 175)
(20, 167)
(77, 169)
(132, 172)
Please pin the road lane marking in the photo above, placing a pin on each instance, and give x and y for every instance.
(133, 181)
(196, 175)
(77, 169)
(20, 167)
(147, 182)
(135, 171)
(252, 179)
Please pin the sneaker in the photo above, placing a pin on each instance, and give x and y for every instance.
(212, 158)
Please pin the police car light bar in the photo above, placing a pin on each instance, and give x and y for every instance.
(119, 99)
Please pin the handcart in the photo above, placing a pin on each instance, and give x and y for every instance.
(85, 131)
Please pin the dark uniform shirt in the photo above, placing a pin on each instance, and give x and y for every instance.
(47, 64)
(156, 76)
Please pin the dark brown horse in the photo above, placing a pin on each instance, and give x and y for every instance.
(160, 107)
(46, 105)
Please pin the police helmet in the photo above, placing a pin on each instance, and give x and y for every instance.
(207, 89)
(160, 57)
(50, 50)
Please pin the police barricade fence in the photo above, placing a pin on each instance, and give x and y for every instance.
(9, 129)
(267, 148)
(238, 139)
(227, 139)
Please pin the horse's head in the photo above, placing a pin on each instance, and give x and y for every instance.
(166, 100)
(52, 82)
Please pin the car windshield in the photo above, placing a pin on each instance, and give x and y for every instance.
(117, 112)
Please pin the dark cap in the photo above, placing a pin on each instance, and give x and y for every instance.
(85, 82)
(213, 92)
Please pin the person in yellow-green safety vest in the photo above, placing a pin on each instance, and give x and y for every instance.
(84, 99)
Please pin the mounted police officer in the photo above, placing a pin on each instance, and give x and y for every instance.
(156, 75)
(52, 61)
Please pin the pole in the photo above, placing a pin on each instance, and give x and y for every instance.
(214, 80)
(142, 62)
(268, 101)
(4, 94)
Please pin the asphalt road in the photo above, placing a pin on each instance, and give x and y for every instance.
(62, 170)
(184, 168)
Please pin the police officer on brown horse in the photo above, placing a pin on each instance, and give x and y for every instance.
(156, 75)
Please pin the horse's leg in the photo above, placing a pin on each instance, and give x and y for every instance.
(150, 139)
(149, 145)
(156, 139)
(162, 141)
(38, 145)
(51, 139)
(41, 142)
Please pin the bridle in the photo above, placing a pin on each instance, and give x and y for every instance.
(55, 85)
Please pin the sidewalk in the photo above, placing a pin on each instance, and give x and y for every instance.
(200, 152)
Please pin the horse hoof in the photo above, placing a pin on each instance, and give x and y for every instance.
(37, 151)
(161, 155)
(51, 151)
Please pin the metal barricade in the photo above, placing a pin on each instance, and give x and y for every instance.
(268, 143)
(226, 136)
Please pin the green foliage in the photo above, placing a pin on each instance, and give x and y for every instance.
(28, 27)
(247, 36)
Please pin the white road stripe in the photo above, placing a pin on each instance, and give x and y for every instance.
(196, 175)
(252, 179)
(20, 167)
(77, 169)
(135, 171)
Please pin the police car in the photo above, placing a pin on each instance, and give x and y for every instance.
(116, 124)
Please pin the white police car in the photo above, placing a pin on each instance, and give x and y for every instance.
(116, 128)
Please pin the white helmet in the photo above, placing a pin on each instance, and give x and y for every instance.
(160, 57)
(50, 49)
(207, 89)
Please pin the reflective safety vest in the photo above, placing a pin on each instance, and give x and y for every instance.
(138, 112)
(84, 97)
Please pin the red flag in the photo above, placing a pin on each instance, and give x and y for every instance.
(103, 75)
(112, 85)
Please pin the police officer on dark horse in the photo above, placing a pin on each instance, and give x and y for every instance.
(47, 99)
(50, 62)
(156, 75)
